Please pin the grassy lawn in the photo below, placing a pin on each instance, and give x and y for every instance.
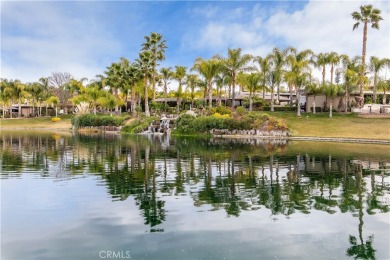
(341, 125)
(39, 122)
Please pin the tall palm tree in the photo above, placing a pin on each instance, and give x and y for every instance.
(209, 69)
(6, 95)
(321, 60)
(156, 45)
(233, 64)
(179, 75)
(166, 76)
(367, 15)
(220, 80)
(334, 59)
(278, 60)
(146, 62)
(376, 65)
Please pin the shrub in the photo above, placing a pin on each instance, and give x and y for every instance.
(224, 110)
(87, 120)
(55, 119)
(241, 111)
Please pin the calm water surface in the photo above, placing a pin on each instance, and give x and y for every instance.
(69, 196)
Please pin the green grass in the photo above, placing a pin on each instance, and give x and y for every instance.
(37, 122)
(340, 125)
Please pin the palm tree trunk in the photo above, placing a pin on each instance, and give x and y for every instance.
(374, 89)
(331, 107)
(363, 67)
(233, 94)
(331, 74)
(384, 96)
(272, 98)
(154, 86)
(20, 107)
(291, 94)
(323, 75)
(298, 96)
(147, 113)
(314, 105)
(250, 101)
(165, 94)
(278, 94)
(210, 95)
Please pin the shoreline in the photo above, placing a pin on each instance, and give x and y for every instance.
(311, 138)
(292, 138)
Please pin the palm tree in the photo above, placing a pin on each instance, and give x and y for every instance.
(233, 64)
(252, 83)
(321, 60)
(351, 77)
(209, 69)
(384, 85)
(6, 95)
(156, 45)
(334, 59)
(376, 65)
(278, 60)
(166, 76)
(179, 75)
(313, 89)
(331, 91)
(192, 83)
(19, 93)
(263, 70)
(220, 82)
(93, 93)
(367, 15)
(146, 63)
(299, 71)
(54, 101)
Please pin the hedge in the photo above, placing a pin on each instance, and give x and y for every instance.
(96, 120)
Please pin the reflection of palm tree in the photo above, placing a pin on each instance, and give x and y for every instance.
(364, 250)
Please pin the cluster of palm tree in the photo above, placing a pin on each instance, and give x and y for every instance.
(209, 78)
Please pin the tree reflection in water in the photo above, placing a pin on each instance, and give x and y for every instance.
(216, 174)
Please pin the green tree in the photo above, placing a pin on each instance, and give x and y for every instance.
(166, 76)
(252, 83)
(54, 101)
(299, 71)
(331, 91)
(179, 75)
(156, 45)
(209, 69)
(367, 15)
(376, 65)
(233, 64)
(263, 70)
(313, 89)
(278, 60)
(146, 62)
(384, 85)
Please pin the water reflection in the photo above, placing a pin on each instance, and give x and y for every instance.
(217, 174)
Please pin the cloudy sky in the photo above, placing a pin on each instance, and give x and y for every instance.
(84, 37)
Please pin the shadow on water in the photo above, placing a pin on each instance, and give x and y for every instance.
(234, 176)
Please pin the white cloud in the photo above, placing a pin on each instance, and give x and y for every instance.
(40, 38)
(325, 26)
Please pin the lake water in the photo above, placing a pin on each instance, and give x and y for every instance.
(69, 196)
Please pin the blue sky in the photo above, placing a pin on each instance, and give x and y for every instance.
(85, 37)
